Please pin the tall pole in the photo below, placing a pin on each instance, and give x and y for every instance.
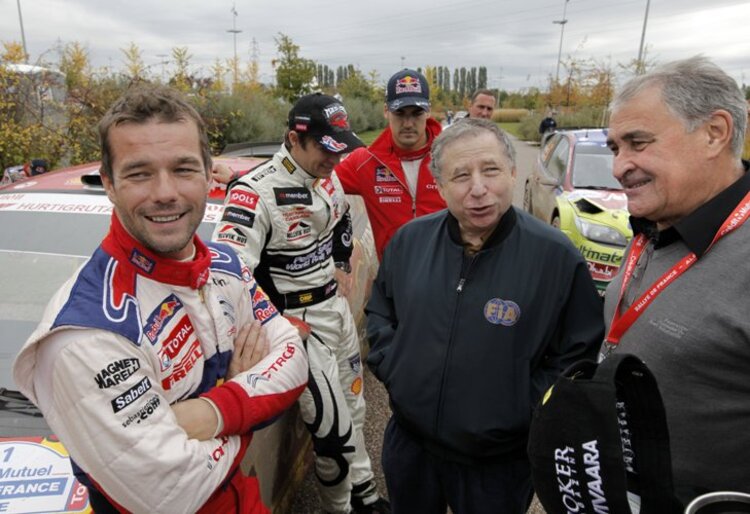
(562, 30)
(640, 67)
(234, 33)
(23, 34)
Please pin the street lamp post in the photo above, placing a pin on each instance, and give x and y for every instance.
(562, 30)
(23, 34)
(234, 33)
(640, 65)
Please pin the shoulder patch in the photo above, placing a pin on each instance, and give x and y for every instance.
(260, 173)
(288, 164)
(103, 297)
(223, 258)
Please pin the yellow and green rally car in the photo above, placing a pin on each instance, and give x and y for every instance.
(572, 188)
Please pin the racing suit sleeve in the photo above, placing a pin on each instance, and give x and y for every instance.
(343, 238)
(581, 331)
(103, 398)
(272, 385)
(245, 223)
(382, 320)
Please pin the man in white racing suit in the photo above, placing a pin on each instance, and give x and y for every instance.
(157, 359)
(289, 220)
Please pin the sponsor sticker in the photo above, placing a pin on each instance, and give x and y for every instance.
(407, 85)
(263, 309)
(262, 173)
(131, 395)
(238, 216)
(337, 116)
(502, 312)
(298, 230)
(288, 164)
(389, 199)
(35, 476)
(161, 316)
(232, 235)
(355, 362)
(383, 174)
(332, 145)
(327, 185)
(182, 368)
(116, 372)
(267, 375)
(143, 413)
(356, 387)
(292, 196)
(296, 214)
(141, 261)
(243, 198)
(388, 190)
(174, 343)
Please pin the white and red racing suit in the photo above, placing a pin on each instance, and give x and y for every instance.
(130, 334)
(290, 228)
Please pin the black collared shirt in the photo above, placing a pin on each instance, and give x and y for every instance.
(698, 228)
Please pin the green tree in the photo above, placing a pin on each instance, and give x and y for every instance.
(134, 67)
(294, 74)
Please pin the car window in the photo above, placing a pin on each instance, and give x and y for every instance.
(558, 161)
(592, 167)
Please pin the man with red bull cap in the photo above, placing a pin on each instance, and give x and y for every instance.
(392, 175)
(290, 221)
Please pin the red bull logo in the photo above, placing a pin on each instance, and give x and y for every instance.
(160, 317)
(408, 84)
(141, 261)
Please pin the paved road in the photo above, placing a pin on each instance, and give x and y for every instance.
(306, 500)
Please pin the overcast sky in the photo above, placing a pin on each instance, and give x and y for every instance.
(515, 39)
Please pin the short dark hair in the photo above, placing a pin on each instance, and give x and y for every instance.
(143, 103)
(488, 92)
(303, 137)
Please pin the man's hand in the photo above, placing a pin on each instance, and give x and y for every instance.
(197, 417)
(222, 173)
(250, 346)
(344, 281)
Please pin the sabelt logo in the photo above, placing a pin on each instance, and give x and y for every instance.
(175, 342)
(268, 374)
(242, 198)
(116, 372)
(131, 395)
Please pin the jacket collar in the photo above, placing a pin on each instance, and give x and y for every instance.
(132, 255)
(384, 142)
(501, 232)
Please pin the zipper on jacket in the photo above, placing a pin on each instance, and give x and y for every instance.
(466, 265)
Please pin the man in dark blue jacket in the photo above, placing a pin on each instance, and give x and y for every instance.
(474, 313)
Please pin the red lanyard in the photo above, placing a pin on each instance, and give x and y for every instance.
(622, 322)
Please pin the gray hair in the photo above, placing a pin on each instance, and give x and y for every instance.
(467, 127)
(693, 89)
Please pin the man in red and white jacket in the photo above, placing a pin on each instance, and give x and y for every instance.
(392, 175)
(157, 359)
